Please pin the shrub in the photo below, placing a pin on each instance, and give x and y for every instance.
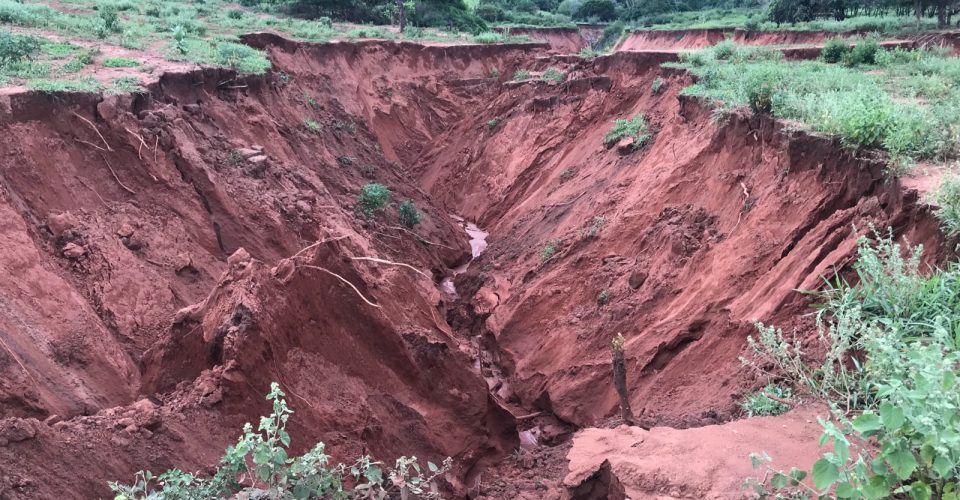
(408, 214)
(553, 75)
(520, 75)
(491, 13)
(569, 7)
(657, 85)
(753, 23)
(488, 37)
(864, 52)
(17, 48)
(759, 405)
(179, 39)
(611, 35)
(549, 250)
(947, 198)
(235, 14)
(891, 351)
(835, 50)
(312, 125)
(636, 127)
(603, 297)
(325, 21)
(259, 466)
(492, 124)
(724, 50)
(373, 197)
(596, 225)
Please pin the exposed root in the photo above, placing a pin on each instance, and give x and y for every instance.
(381, 261)
(316, 244)
(125, 188)
(782, 401)
(142, 142)
(90, 144)
(95, 129)
(419, 238)
(341, 278)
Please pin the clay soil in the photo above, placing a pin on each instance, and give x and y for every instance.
(167, 255)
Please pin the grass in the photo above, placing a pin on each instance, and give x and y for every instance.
(906, 103)
(120, 62)
(553, 75)
(754, 20)
(636, 127)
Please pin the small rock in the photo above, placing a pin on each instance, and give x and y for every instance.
(247, 153)
(637, 279)
(60, 426)
(52, 420)
(59, 223)
(303, 206)
(125, 231)
(257, 147)
(14, 430)
(258, 159)
(626, 145)
(193, 109)
(73, 251)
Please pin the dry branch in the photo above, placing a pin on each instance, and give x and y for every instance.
(125, 188)
(341, 278)
(381, 261)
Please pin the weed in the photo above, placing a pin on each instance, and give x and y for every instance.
(83, 84)
(242, 58)
(835, 50)
(373, 197)
(345, 126)
(488, 37)
(312, 126)
(259, 464)
(947, 198)
(657, 85)
(553, 75)
(368, 170)
(124, 85)
(567, 173)
(235, 14)
(549, 250)
(494, 73)
(345, 161)
(603, 297)
(408, 214)
(596, 225)
(311, 101)
(589, 53)
(758, 404)
(864, 52)
(521, 75)
(492, 124)
(325, 22)
(17, 48)
(180, 39)
(234, 158)
(636, 128)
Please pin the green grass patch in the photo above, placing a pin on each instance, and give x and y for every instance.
(83, 84)
(636, 127)
(120, 62)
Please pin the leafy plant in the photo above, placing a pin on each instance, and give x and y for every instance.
(835, 50)
(549, 250)
(408, 214)
(259, 466)
(947, 198)
(521, 75)
(657, 85)
(494, 73)
(373, 197)
(492, 124)
(636, 127)
(759, 404)
(180, 39)
(312, 125)
(17, 48)
(864, 52)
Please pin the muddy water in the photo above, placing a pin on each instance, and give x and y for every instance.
(478, 243)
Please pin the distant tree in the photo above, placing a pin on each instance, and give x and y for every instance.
(599, 10)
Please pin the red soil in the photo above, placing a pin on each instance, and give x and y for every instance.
(561, 40)
(699, 38)
(154, 288)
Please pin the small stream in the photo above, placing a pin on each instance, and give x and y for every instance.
(478, 243)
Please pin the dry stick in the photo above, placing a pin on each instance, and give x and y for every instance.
(381, 261)
(17, 359)
(155, 144)
(95, 129)
(94, 192)
(341, 278)
(620, 380)
(779, 400)
(421, 238)
(125, 188)
(90, 144)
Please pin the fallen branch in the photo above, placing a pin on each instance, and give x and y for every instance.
(95, 129)
(341, 278)
(381, 261)
(782, 401)
(125, 188)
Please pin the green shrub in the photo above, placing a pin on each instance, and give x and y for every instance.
(373, 197)
(864, 52)
(325, 21)
(312, 125)
(243, 58)
(492, 124)
(553, 75)
(259, 466)
(488, 37)
(657, 85)
(235, 14)
(549, 250)
(890, 352)
(521, 75)
(947, 198)
(636, 127)
(725, 50)
(597, 10)
(408, 214)
(759, 405)
(835, 50)
(17, 48)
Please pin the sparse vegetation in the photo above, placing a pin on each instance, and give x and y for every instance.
(373, 197)
(549, 250)
(947, 198)
(345, 161)
(17, 48)
(635, 128)
(835, 50)
(521, 75)
(553, 75)
(603, 297)
(312, 126)
(656, 85)
(408, 214)
(759, 404)
(596, 225)
(120, 62)
(259, 466)
(492, 124)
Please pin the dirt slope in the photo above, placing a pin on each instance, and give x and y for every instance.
(698, 38)
(162, 266)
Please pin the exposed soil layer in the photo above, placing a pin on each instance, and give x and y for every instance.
(171, 254)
